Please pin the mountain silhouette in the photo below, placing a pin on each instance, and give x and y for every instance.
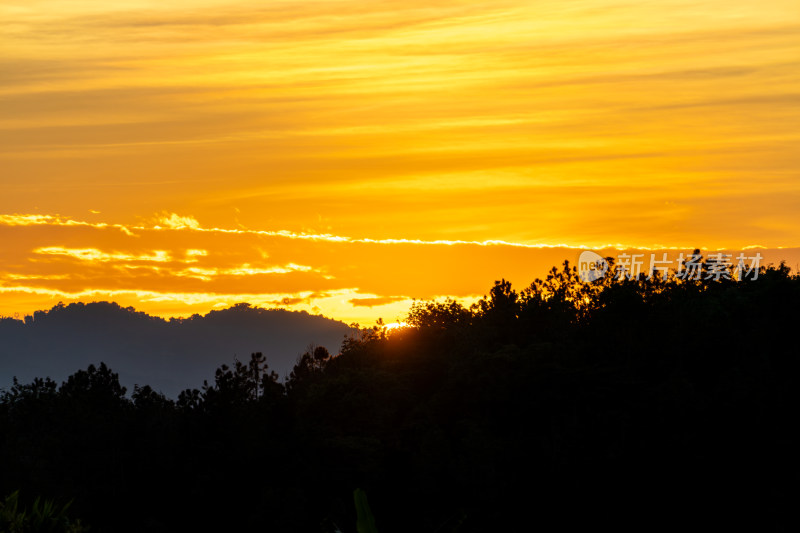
(169, 355)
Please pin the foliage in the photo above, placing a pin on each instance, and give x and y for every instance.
(365, 522)
(44, 516)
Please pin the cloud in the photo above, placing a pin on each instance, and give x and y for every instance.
(95, 255)
(174, 221)
(54, 220)
(377, 301)
(27, 220)
(208, 274)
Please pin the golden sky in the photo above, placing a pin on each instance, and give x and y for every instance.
(344, 157)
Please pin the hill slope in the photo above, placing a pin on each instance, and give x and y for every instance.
(170, 355)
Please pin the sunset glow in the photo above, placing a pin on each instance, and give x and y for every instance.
(346, 158)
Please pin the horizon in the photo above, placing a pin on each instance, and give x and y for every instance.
(521, 264)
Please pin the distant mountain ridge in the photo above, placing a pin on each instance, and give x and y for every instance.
(169, 355)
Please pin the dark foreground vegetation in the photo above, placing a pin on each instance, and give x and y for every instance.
(639, 405)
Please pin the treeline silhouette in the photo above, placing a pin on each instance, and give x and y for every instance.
(632, 404)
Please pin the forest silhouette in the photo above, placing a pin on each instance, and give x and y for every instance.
(637, 404)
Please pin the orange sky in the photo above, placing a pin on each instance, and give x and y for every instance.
(242, 129)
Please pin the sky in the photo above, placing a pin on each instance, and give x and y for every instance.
(345, 158)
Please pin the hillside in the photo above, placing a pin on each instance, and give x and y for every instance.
(169, 355)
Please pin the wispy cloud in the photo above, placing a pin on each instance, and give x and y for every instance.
(95, 255)
(377, 301)
(55, 220)
(173, 221)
